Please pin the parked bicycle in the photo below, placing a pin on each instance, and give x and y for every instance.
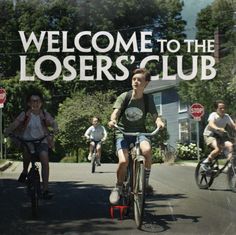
(33, 176)
(134, 185)
(168, 153)
(204, 179)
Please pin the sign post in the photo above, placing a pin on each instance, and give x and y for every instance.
(197, 111)
(2, 101)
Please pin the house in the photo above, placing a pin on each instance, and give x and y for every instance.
(180, 125)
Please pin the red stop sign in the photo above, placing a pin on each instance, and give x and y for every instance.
(197, 110)
(2, 96)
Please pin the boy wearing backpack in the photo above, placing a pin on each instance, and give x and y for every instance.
(129, 112)
(33, 124)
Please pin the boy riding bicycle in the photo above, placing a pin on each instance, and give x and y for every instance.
(215, 134)
(132, 119)
(96, 134)
(33, 124)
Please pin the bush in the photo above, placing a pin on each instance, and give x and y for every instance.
(156, 155)
(188, 151)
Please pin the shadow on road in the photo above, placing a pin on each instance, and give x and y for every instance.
(75, 209)
(159, 223)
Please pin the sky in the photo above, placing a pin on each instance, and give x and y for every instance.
(190, 10)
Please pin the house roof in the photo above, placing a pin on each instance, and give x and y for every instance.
(160, 85)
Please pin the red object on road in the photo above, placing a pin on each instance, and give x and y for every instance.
(197, 111)
(121, 208)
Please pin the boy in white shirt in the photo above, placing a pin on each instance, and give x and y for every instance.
(96, 134)
(214, 133)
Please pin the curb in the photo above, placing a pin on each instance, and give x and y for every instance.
(4, 166)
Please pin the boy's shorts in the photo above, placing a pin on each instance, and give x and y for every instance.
(128, 142)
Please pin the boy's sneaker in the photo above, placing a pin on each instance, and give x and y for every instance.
(205, 166)
(90, 157)
(149, 190)
(98, 162)
(22, 178)
(115, 195)
(47, 195)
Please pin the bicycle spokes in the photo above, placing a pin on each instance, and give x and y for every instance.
(139, 193)
(204, 179)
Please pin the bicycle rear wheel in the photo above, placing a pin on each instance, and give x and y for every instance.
(93, 162)
(139, 192)
(231, 176)
(204, 179)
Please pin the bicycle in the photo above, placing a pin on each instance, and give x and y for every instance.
(204, 179)
(168, 153)
(134, 185)
(33, 176)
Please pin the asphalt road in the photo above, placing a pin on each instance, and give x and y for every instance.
(81, 206)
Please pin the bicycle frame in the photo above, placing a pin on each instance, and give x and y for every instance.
(93, 160)
(134, 187)
(33, 177)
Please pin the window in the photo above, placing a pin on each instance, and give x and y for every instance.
(182, 107)
(187, 131)
(183, 131)
(157, 101)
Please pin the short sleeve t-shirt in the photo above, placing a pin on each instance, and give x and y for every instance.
(96, 133)
(34, 128)
(133, 118)
(220, 122)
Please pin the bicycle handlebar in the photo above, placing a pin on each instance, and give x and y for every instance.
(137, 133)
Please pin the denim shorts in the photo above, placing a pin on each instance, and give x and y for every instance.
(128, 142)
(39, 148)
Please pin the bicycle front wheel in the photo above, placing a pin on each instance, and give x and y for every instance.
(204, 179)
(93, 163)
(35, 193)
(139, 192)
(34, 204)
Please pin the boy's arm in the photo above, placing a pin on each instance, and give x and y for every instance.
(114, 117)
(15, 124)
(12, 127)
(158, 121)
(87, 133)
(52, 123)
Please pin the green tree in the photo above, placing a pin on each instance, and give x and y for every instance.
(74, 117)
(219, 16)
(74, 16)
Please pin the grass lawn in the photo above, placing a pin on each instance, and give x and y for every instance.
(2, 161)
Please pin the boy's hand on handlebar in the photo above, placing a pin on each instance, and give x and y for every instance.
(160, 124)
(221, 129)
(112, 123)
